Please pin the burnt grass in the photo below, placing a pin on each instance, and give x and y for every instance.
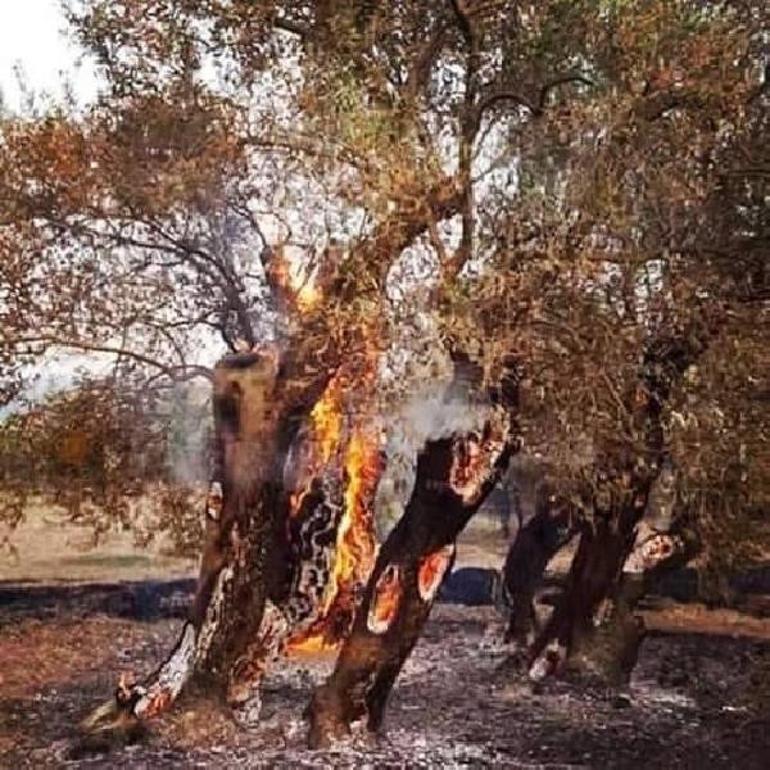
(695, 700)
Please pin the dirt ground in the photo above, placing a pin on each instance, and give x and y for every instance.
(687, 706)
(49, 548)
(697, 698)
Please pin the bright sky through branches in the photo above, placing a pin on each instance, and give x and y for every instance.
(31, 36)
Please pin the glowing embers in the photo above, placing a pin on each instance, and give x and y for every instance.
(432, 570)
(474, 458)
(386, 600)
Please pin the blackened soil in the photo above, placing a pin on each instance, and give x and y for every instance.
(696, 701)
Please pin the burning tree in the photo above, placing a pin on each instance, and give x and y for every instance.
(291, 180)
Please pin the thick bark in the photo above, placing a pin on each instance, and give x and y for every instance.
(454, 475)
(242, 608)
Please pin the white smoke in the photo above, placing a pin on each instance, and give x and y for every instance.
(427, 415)
(189, 431)
(420, 403)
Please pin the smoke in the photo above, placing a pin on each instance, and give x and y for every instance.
(433, 413)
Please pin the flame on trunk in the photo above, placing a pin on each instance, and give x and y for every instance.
(308, 297)
(356, 543)
(327, 420)
(326, 429)
(297, 283)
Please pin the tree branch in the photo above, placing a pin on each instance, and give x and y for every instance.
(560, 80)
(176, 373)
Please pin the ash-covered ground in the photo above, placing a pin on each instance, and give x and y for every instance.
(693, 702)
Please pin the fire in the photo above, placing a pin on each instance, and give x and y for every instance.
(356, 547)
(293, 279)
(353, 443)
(356, 544)
(306, 294)
(326, 418)
(308, 297)
(326, 435)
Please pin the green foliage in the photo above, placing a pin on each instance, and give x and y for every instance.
(106, 456)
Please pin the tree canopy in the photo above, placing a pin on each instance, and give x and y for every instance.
(567, 182)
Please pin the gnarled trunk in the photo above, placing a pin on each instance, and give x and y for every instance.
(592, 587)
(592, 625)
(609, 650)
(593, 628)
(454, 475)
(245, 602)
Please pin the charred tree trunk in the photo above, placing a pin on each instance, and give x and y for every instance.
(402, 588)
(579, 630)
(242, 609)
(454, 475)
(537, 541)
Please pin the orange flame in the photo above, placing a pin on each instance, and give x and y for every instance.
(308, 297)
(299, 284)
(356, 544)
(303, 286)
(326, 427)
(327, 420)
(355, 552)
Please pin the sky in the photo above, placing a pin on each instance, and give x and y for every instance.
(31, 37)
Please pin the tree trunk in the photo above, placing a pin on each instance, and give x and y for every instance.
(593, 629)
(243, 607)
(537, 541)
(591, 588)
(610, 650)
(454, 475)
(618, 498)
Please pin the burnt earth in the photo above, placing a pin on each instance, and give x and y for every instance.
(455, 704)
